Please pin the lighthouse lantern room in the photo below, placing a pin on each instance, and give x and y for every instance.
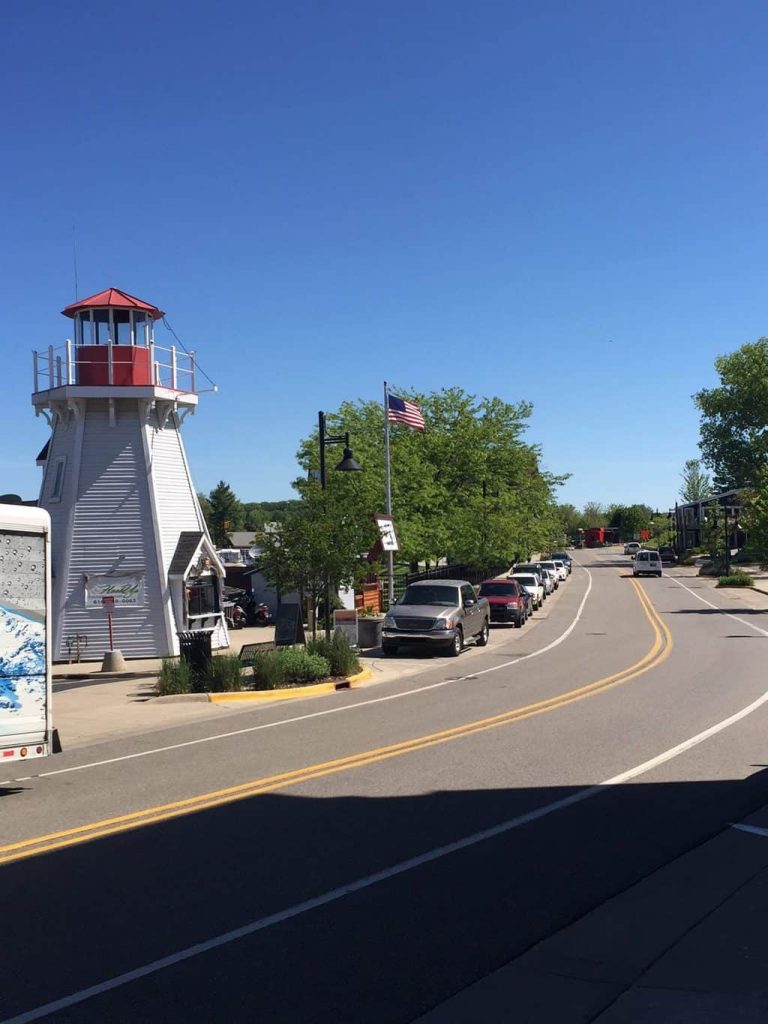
(130, 546)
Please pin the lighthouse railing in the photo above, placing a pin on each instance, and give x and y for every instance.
(169, 367)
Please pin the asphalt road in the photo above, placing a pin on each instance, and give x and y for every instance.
(364, 857)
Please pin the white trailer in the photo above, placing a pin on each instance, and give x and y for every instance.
(26, 727)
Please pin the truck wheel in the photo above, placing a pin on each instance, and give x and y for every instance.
(482, 637)
(388, 650)
(456, 644)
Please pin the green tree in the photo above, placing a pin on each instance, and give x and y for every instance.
(631, 519)
(321, 539)
(569, 519)
(205, 508)
(734, 417)
(468, 488)
(696, 482)
(226, 513)
(593, 514)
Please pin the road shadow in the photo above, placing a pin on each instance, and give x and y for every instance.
(11, 790)
(410, 919)
(718, 611)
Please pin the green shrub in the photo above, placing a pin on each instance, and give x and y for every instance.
(338, 653)
(736, 579)
(268, 672)
(225, 674)
(301, 667)
(288, 666)
(175, 677)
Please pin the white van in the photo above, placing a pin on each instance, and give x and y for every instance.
(647, 563)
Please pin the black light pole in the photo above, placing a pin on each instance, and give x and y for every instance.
(727, 542)
(347, 465)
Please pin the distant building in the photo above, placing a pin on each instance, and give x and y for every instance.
(691, 518)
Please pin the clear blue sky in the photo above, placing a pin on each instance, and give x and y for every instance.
(533, 200)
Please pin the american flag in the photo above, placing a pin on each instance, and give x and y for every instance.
(400, 411)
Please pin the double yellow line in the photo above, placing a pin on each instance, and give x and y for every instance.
(659, 651)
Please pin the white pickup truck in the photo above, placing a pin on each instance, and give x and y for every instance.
(26, 728)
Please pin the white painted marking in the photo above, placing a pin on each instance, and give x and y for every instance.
(381, 876)
(694, 741)
(753, 829)
(331, 711)
(722, 611)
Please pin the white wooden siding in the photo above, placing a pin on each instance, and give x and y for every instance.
(112, 530)
(176, 505)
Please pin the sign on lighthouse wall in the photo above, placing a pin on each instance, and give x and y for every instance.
(124, 590)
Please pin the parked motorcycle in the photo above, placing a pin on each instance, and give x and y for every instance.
(262, 616)
(235, 616)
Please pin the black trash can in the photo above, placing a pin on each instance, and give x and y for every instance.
(195, 649)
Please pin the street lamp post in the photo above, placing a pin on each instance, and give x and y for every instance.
(347, 465)
(727, 541)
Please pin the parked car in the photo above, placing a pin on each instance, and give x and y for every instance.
(667, 554)
(439, 613)
(550, 581)
(561, 574)
(507, 599)
(631, 548)
(532, 583)
(565, 558)
(561, 568)
(534, 567)
(538, 570)
(647, 563)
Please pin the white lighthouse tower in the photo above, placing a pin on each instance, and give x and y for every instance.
(131, 552)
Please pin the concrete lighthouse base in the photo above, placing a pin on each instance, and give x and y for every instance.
(113, 662)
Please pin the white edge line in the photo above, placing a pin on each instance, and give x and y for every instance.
(328, 711)
(717, 608)
(380, 876)
(751, 828)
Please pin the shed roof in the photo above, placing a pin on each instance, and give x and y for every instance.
(242, 538)
(186, 549)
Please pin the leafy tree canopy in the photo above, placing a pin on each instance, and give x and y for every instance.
(734, 417)
(468, 487)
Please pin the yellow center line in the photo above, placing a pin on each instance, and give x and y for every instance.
(659, 652)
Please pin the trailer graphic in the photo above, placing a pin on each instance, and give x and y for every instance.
(25, 667)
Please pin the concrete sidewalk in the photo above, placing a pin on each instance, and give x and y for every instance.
(687, 945)
(138, 668)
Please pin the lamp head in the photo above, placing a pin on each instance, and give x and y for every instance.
(348, 463)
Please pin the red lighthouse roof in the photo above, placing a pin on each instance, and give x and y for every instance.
(116, 299)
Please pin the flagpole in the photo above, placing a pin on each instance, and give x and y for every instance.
(388, 479)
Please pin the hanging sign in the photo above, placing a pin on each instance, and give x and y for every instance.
(125, 589)
(387, 532)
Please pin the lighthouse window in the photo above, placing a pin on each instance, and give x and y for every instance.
(122, 320)
(101, 326)
(84, 328)
(140, 328)
(58, 478)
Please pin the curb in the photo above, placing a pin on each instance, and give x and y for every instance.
(257, 696)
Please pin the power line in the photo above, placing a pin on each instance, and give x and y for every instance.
(193, 357)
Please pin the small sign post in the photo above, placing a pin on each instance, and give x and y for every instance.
(109, 604)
